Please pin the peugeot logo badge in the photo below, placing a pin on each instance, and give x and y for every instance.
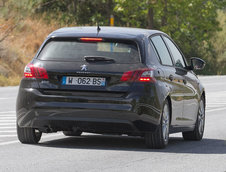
(84, 68)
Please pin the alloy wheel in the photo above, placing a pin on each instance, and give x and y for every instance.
(165, 123)
(201, 117)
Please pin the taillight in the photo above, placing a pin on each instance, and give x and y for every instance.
(32, 71)
(140, 75)
(91, 39)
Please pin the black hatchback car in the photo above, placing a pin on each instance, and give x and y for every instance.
(111, 80)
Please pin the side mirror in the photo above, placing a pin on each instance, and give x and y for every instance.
(197, 63)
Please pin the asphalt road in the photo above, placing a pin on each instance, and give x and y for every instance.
(116, 153)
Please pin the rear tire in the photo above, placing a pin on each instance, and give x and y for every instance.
(160, 138)
(28, 135)
(72, 133)
(198, 132)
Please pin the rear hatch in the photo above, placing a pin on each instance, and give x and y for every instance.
(79, 65)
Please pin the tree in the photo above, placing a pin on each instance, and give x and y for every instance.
(191, 23)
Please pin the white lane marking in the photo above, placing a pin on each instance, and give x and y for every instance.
(9, 127)
(212, 110)
(7, 112)
(17, 141)
(10, 142)
(215, 107)
(3, 120)
(8, 135)
(211, 76)
(3, 117)
(8, 131)
(216, 103)
(4, 124)
(5, 98)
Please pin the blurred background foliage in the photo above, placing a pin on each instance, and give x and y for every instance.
(197, 26)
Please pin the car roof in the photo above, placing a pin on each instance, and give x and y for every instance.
(105, 31)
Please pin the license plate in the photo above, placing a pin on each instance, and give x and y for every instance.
(92, 81)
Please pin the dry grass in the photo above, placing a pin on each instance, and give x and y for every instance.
(9, 81)
(219, 42)
(30, 35)
(20, 47)
(220, 37)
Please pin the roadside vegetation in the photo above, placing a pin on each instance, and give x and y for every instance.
(198, 27)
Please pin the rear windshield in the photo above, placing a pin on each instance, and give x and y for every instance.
(121, 52)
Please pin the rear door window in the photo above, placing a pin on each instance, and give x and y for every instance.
(178, 58)
(121, 52)
(162, 50)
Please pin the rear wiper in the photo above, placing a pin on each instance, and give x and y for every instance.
(98, 59)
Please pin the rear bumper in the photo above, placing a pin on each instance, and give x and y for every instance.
(91, 114)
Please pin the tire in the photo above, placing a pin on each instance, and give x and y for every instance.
(198, 131)
(28, 135)
(72, 133)
(160, 138)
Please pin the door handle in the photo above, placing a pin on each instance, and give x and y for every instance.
(184, 81)
(171, 77)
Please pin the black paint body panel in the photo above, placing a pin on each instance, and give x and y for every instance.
(119, 107)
